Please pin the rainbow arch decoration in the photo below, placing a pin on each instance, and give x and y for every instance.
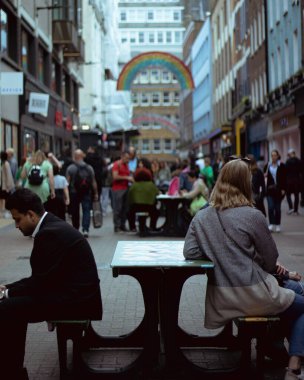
(162, 121)
(155, 58)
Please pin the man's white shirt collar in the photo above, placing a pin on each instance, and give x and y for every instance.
(38, 225)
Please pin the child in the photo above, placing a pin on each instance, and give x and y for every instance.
(57, 206)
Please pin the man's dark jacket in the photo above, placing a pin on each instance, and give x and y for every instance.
(64, 272)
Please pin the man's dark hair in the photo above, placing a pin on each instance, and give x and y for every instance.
(24, 200)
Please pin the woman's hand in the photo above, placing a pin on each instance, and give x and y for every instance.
(294, 276)
(280, 269)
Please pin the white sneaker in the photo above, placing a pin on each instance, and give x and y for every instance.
(278, 228)
(271, 227)
(290, 211)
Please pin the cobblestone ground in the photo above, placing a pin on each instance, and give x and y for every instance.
(122, 298)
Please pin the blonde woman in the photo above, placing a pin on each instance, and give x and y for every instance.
(235, 237)
(46, 188)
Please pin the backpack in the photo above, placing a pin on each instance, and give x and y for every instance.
(35, 176)
(83, 180)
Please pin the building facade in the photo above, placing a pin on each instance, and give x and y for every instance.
(154, 26)
(39, 41)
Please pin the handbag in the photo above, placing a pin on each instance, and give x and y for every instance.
(197, 203)
(97, 214)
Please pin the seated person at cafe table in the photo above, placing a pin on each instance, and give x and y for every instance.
(142, 198)
(199, 194)
(64, 282)
(235, 237)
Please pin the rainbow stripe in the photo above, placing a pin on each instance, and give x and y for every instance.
(162, 121)
(155, 58)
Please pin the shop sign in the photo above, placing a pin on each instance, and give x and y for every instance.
(11, 83)
(58, 119)
(68, 124)
(39, 103)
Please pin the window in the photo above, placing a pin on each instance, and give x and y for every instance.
(174, 78)
(177, 37)
(168, 37)
(150, 15)
(156, 144)
(166, 97)
(141, 37)
(42, 65)
(144, 76)
(255, 34)
(145, 145)
(286, 64)
(272, 73)
(63, 94)
(155, 98)
(123, 16)
(132, 37)
(168, 144)
(155, 76)
(24, 50)
(176, 97)
(160, 37)
(55, 77)
(165, 76)
(151, 37)
(124, 39)
(3, 31)
(176, 16)
(134, 98)
(259, 29)
(28, 52)
(144, 99)
(279, 66)
(296, 51)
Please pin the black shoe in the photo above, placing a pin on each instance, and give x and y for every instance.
(123, 228)
(116, 229)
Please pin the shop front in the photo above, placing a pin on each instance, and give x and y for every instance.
(257, 138)
(285, 133)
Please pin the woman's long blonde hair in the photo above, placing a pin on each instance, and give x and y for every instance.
(233, 186)
(39, 157)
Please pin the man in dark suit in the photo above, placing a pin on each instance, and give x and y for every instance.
(64, 283)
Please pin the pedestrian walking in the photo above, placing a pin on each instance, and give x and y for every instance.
(275, 175)
(58, 205)
(293, 181)
(82, 188)
(7, 184)
(258, 184)
(63, 284)
(121, 179)
(38, 175)
(12, 161)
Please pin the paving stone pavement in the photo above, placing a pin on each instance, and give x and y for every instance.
(122, 298)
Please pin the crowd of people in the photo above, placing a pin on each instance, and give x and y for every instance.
(131, 184)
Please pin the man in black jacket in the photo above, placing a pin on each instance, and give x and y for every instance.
(64, 283)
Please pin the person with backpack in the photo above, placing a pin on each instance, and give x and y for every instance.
(82, 188)
(38, 175)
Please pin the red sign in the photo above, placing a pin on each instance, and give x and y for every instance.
(58, 118)
(68, 124)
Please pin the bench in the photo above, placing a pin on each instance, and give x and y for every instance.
(73, 330)
(254, 328)
(142, 226)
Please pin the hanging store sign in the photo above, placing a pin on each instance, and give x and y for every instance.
(11, 83)
(39, 103)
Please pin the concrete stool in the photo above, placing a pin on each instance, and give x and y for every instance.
(73, 330)
(142, 218)
(250, 328)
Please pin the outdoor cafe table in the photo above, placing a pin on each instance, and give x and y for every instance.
(161, 270)
(171, 205)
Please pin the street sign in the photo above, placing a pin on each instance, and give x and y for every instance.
(39, 103)
(11, 83)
